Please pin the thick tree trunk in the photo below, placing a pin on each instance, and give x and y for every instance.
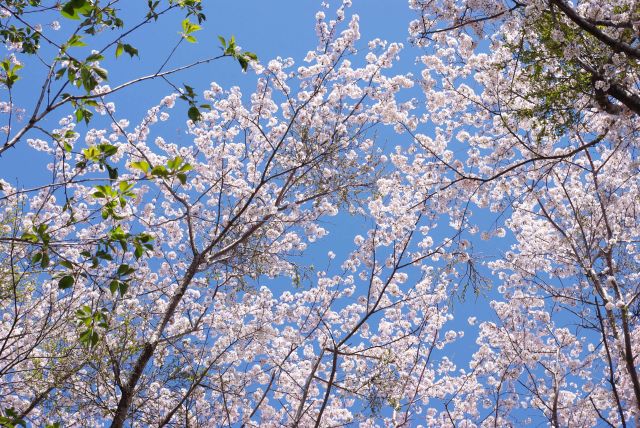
(128, 390)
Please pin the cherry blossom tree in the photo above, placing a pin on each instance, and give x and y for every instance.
(149, 281)
(543, 97)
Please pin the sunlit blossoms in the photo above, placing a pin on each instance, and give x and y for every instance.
(347, 243)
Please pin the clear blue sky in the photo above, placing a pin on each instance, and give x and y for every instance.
(281, 28)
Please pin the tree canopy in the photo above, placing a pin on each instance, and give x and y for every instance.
(303, 257)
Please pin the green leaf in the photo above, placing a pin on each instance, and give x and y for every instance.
(84, 312)
(76, 41)
(75, 8)
(119, 50)
(123, 243)
(124, 270)
(94, 57)
(145, 237)
(44, 262)
(104, 255)
(113, 172)
(30, 237)
(60, 73)
(194, 113)
(124, 287)
(114, 285)
(88, 81)
(11, 419)
(108, 149)
(87, 115)
(187, 28)
(139, 251)
(100, 72)
(79, 114)
(124, 186)
(69, 12)
(159, 171)
(175, 163)
(66, 282)
(142, 166)
(130, 50)
(190, 92)
(89, 338)
(244, 62)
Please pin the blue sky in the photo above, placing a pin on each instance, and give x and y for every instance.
(283, 28)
